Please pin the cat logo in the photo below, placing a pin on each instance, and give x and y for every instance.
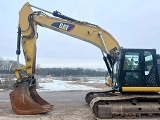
(63, 26)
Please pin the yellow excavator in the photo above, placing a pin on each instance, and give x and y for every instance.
(134, 72)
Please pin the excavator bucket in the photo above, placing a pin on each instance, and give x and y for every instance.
(25, 99)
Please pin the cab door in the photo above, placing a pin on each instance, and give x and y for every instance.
(131, 70)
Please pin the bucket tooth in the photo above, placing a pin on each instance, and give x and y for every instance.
(35, 96)
(26, 101)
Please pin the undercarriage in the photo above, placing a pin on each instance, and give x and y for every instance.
(110, 104)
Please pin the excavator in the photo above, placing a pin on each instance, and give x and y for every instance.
(135, 73)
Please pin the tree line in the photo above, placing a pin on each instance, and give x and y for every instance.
(8, 66)
(61, 72)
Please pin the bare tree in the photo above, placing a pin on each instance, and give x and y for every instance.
(7, 66)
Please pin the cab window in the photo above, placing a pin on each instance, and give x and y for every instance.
(131, 61)
(148, 61)
(131, 69)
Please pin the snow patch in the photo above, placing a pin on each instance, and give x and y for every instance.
(59, 85)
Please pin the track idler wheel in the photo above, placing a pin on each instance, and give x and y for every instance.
(25, 99)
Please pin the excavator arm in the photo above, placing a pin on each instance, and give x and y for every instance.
(28, 21)
(25, 99)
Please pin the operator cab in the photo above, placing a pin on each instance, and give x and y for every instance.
(136, 69)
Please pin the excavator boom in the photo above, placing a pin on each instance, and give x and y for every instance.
(25, 99)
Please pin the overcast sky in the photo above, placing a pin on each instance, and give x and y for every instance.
(134, 24)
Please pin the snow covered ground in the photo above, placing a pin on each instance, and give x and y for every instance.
(93, 79)
(59, 85)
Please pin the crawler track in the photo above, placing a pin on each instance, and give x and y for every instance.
(116, 105)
